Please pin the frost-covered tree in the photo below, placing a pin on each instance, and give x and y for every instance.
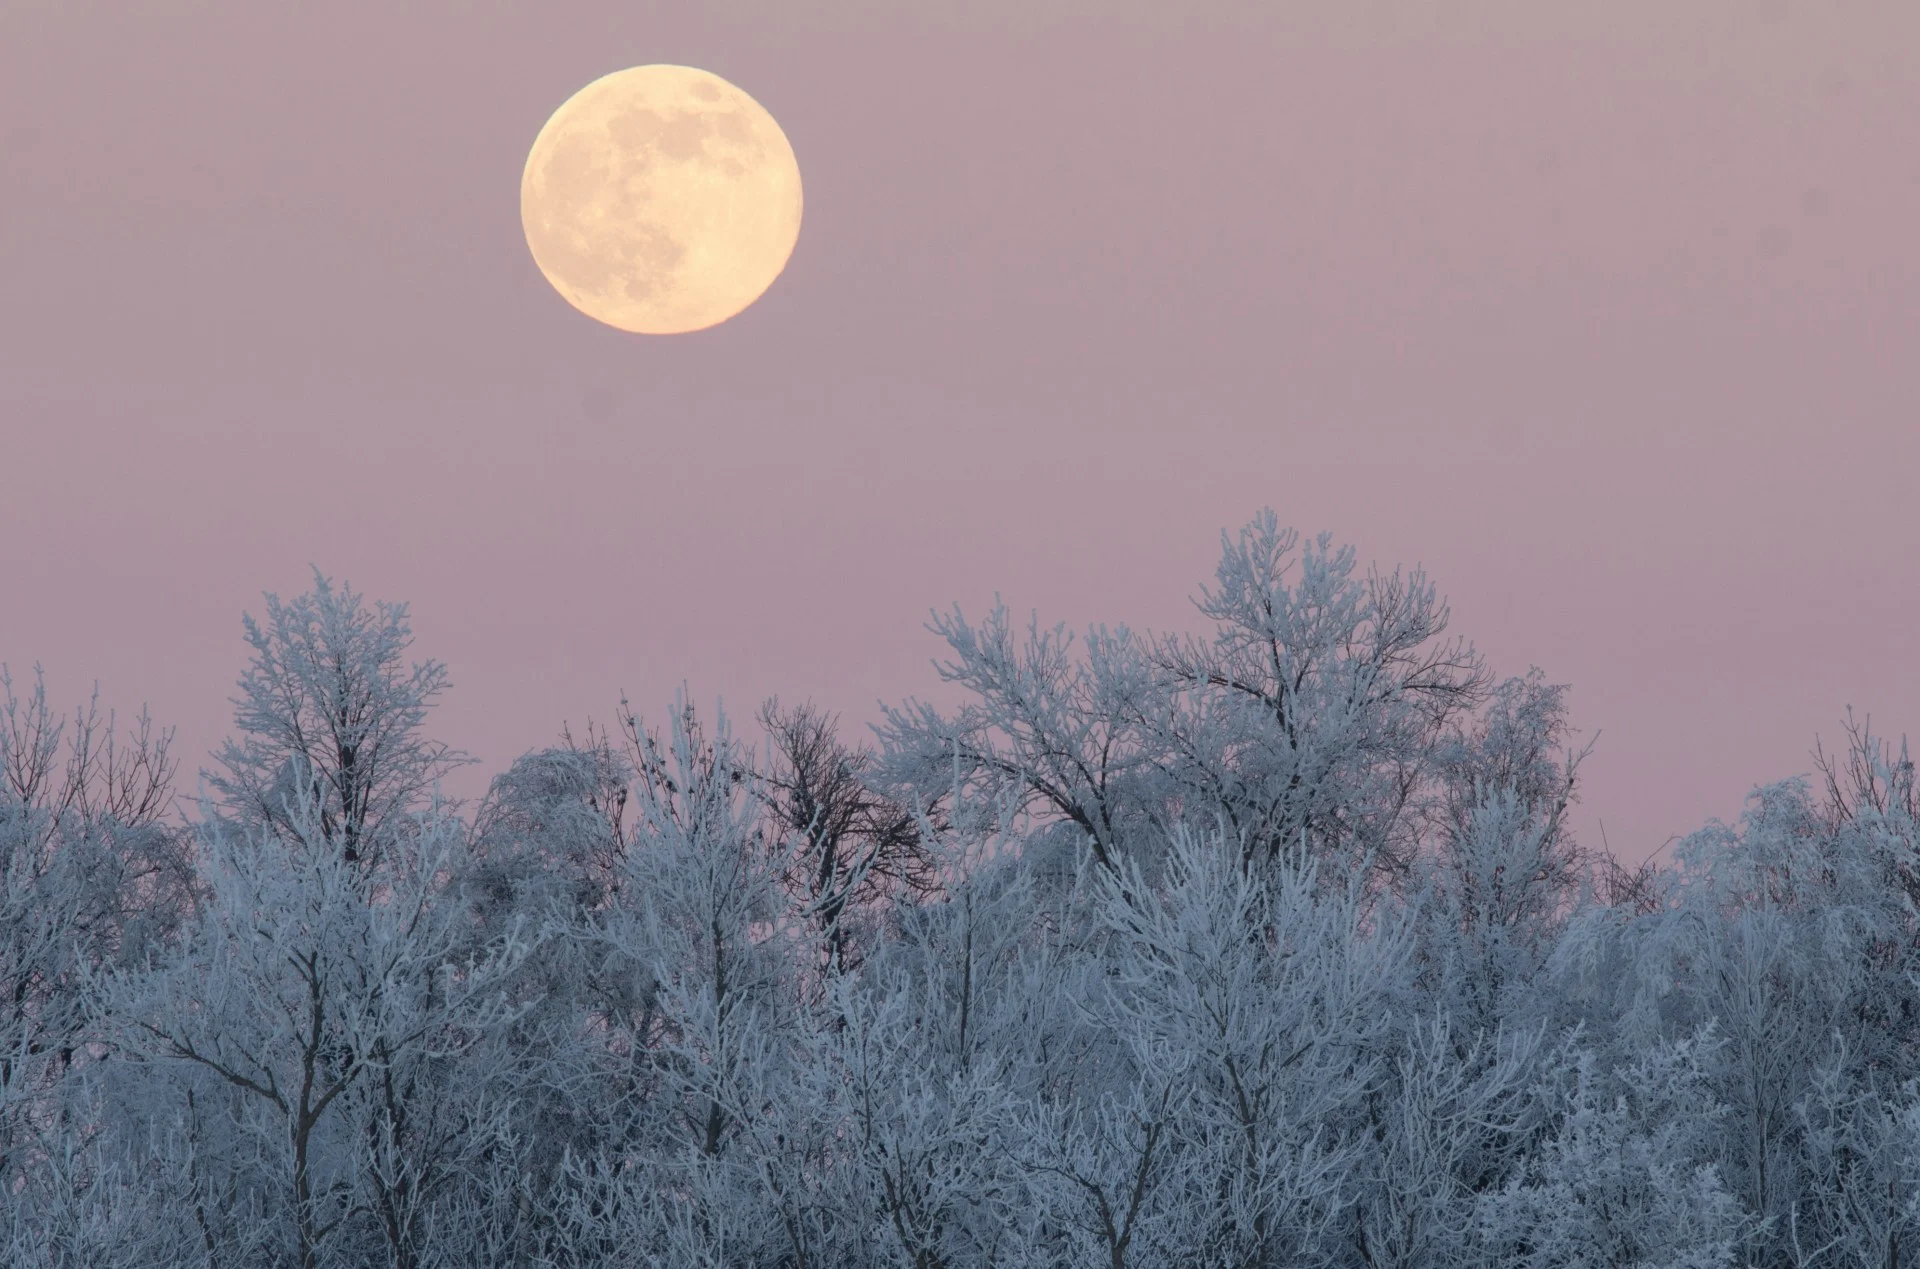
(1501, 872)
(1450, 1124)
(331, 714)
(1318, 705)
(1315, 709)
(1782, 935)
(555, 825)
(1626, 1178)
(696, 1009)
(1269, 995)
(1861, 1154)
(927, 1054)
(1057, 727)
(91, 874)
(305, 1032)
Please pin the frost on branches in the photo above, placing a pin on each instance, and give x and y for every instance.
(1264, 944)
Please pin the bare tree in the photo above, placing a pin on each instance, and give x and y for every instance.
(856, 844)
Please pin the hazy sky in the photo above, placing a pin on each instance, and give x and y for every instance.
(1605, 312)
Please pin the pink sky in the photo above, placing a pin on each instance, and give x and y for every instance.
(1605, 312)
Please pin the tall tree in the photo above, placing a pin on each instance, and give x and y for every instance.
(330, 714)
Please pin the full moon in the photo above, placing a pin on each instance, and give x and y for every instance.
(661, 199)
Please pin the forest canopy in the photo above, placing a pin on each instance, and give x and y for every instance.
(1266, 944)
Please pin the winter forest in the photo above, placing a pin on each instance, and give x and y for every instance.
(1263, 945)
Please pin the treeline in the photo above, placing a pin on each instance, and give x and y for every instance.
(1267, 946)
